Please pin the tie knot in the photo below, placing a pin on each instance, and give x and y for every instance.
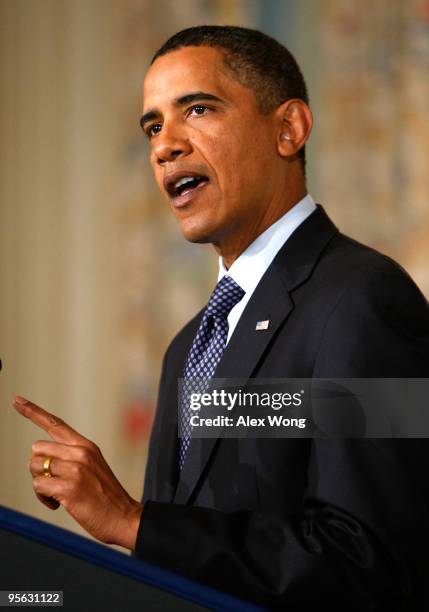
(225, 296)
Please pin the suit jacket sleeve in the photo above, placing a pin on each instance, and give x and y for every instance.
(363, 533)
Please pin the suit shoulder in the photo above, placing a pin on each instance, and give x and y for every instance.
(376, 320)
(368, 283)
(356, 283)
(363, 266)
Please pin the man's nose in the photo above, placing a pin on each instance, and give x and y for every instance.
(170, 145)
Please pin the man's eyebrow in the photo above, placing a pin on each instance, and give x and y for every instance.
(152, 114)
(197, 96)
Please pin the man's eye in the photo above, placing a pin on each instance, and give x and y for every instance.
(153, 129)
(198, 109)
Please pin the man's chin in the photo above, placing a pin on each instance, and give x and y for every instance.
(197, 234)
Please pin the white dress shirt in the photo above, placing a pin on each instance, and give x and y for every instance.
(248, 269)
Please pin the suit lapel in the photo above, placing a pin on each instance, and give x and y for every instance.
(165, 465)
(271, 301)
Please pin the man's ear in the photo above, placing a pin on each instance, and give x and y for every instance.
(294, 126)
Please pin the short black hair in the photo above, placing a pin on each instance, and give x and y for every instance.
(257, 61)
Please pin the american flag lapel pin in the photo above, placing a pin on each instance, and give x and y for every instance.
(261, 325)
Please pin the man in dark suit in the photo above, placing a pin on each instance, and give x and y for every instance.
(287, 523)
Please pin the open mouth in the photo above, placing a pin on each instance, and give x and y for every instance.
(185, 184)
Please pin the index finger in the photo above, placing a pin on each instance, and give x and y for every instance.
(54, 426)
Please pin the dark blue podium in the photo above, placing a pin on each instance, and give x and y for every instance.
(37, 556)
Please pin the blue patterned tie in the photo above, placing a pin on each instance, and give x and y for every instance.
(206, 351)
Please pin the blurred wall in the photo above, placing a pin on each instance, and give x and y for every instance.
(95, 277)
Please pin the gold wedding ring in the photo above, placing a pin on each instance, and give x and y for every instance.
(47, 467)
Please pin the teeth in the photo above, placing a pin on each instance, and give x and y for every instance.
(183, 181)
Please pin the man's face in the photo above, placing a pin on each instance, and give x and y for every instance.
(212, 151)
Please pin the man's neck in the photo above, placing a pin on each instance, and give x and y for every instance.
(231, 249)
